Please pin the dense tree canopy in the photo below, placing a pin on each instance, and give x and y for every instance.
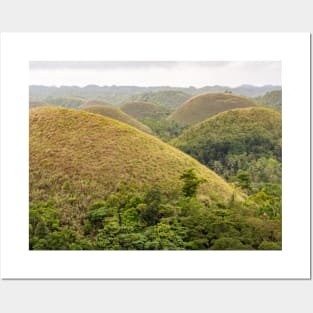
(237, 143)
(156, 219)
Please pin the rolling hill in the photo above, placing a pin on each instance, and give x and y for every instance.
(84, 156)
(169, 98)
(119, 94)
(115, 114)
(142, 109)
(93, 102)
(203, 106)
(235, 139)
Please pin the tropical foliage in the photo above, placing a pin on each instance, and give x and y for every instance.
(158, 220)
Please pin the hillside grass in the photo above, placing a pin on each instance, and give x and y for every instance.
(93, 102)
(76, 158)
(203, 106)
(115, 114)
(145, 110)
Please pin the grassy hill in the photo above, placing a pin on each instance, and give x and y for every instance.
(235, 139)
(169, 98)
(271, 99)
(142, 109)
(76, 153)
(93, 102)
(116, 114)
(203, 106)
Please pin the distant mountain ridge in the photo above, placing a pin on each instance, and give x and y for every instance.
(117, 94)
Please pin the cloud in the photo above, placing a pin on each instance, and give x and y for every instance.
(101, 65)
(156, 73)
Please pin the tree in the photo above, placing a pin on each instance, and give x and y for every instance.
(191, 182)
(149, 211)
(225, 243)
(243, 180)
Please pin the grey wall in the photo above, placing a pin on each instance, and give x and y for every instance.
(157, 296)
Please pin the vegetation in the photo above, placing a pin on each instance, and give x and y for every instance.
(116, 114)
(164, 128)
(36, 103)
(191, 182)
(201, 107)
(236, 140)
(155, 117)
(116, 95)
(97, 183)
(77, 157)
(145, 110)
(244, 147)
(272, 99)
(93, 102)
(156, 220)
(243, 90)
(67, 102)
(169, 98)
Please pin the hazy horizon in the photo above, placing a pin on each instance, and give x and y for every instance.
(165, 86)
(155, 73)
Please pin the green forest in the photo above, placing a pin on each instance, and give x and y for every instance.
(159, 170)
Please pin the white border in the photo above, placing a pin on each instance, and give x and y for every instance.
(18, 49)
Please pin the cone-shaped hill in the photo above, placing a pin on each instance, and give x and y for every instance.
(201, 107)
(78, 154)
(117, 114)
(233, 137)
(143, 109)
(93, 102)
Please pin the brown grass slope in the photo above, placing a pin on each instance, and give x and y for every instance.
(143, 109)
(203, 106)
(117, 114)
(77, 157)
(93, 102)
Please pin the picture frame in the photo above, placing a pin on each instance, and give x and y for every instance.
(18, 262)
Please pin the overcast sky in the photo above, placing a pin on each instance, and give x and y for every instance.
(178, 74)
